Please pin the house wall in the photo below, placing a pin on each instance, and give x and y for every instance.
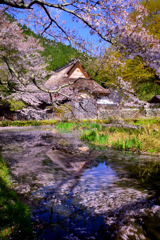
(77, 73)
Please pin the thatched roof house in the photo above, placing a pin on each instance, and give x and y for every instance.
(75, 88)
(77, 80)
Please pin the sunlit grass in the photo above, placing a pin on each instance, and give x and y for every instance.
(28, 123)
(145, 139)
(65, 126)
(128, 144)
(95, 131)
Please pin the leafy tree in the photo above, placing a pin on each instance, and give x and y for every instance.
(136, 70)
(152, 20)
(143, 76)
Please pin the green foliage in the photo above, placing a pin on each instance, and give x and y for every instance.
(112, 129)
(142, 78)
(16, 105)
(58, 53)
(95, 125)
(89, 136)
(15, 216)
(143, 139)
(65, 126)
(94, 136)
(119, 144)
(127, 144)
(146, 91)
(102, 138)
(107, 68)
(152, 21)
(144, 121)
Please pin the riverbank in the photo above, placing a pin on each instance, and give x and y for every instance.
(140, 136)
(15, 216)
(136, 135)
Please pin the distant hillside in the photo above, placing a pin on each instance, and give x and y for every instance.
(60, 54)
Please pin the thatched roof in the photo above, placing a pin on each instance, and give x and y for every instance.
(85, 84)
(75, 73)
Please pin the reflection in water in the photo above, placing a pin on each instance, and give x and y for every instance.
(99, 177)
(77, 195)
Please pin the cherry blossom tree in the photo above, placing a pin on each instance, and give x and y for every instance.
(108, 19)
(20, 59)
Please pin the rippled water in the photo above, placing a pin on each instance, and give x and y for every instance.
(76, 194)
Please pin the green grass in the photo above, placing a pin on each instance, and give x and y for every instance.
(145, 139)
(28, 123)
(15, 220)
(128, 144)
(65, 126)
(89, 136)
(143, 121)
(94, 136)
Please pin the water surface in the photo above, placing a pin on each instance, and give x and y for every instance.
(75, 194)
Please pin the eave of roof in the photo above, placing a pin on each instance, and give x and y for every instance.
(157, 96)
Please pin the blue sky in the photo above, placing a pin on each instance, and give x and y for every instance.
(84, 32)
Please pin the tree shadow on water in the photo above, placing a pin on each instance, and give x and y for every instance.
(70, 220)
(67, 217)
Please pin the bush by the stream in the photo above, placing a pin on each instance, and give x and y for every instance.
(94, 136)
(128, 144)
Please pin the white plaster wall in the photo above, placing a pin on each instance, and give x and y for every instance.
(77, 73)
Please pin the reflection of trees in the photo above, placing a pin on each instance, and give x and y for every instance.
(69, 213)
(62, 211)
(83, 222)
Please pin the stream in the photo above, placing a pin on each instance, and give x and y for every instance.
(78, 193)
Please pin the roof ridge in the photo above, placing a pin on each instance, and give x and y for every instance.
(67, 65)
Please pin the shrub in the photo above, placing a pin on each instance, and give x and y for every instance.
(102, 138)
(128, 144)
(95, 125)
(89, 136)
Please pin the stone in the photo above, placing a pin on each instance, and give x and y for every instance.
(83, 149)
